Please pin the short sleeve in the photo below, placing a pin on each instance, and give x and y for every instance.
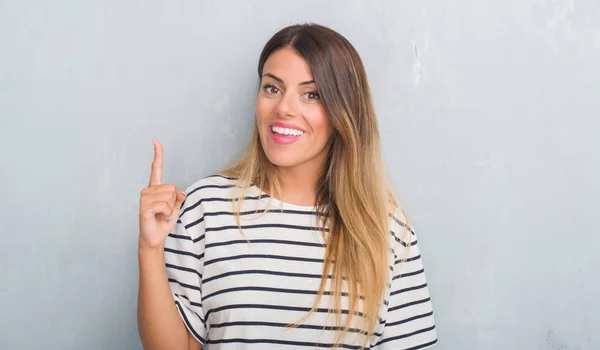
(184, 259)
(408, 322)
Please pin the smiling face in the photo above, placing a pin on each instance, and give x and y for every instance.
(292, 123)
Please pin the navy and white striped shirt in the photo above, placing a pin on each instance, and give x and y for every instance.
(237, 291)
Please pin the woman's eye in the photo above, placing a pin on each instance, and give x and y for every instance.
(312, 95)
(271, 89)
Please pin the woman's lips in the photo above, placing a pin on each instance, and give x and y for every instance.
(283, 139)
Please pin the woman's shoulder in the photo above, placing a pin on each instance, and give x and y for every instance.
(210, 183)
(214, 186)
(399, 220)
(402, 232)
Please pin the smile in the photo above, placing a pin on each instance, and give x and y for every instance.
(285, 136)
(286, 131)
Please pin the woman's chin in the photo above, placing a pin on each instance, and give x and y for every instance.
(282, 159)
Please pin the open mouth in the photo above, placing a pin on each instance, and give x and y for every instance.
(286, 131)
(285, 136)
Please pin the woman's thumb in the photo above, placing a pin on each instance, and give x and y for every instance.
(179, 198)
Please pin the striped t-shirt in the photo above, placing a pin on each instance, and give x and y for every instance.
(240, 291)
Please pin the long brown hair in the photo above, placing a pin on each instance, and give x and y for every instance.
(353, 192)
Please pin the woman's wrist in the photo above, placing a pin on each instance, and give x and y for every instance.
(145, 249)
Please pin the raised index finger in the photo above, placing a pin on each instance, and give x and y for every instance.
(157, 164)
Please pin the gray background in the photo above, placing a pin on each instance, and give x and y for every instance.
(490, 119)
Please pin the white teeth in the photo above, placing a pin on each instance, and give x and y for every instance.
(287, 131)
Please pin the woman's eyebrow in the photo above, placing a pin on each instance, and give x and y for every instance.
(281, 81)
(308, 82)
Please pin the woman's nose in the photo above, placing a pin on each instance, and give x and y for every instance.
(287, 106)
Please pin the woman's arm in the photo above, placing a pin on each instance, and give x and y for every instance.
(160, 325)
(194, 345)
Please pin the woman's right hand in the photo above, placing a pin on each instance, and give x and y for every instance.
(160, 206)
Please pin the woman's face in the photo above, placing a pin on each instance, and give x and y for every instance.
(292, 123)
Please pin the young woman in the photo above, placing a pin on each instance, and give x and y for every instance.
(301, 243)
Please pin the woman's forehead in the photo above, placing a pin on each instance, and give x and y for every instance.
(287, 65)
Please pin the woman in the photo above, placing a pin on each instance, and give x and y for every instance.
(266, 254)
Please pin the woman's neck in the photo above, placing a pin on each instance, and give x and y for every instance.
(299, 184)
